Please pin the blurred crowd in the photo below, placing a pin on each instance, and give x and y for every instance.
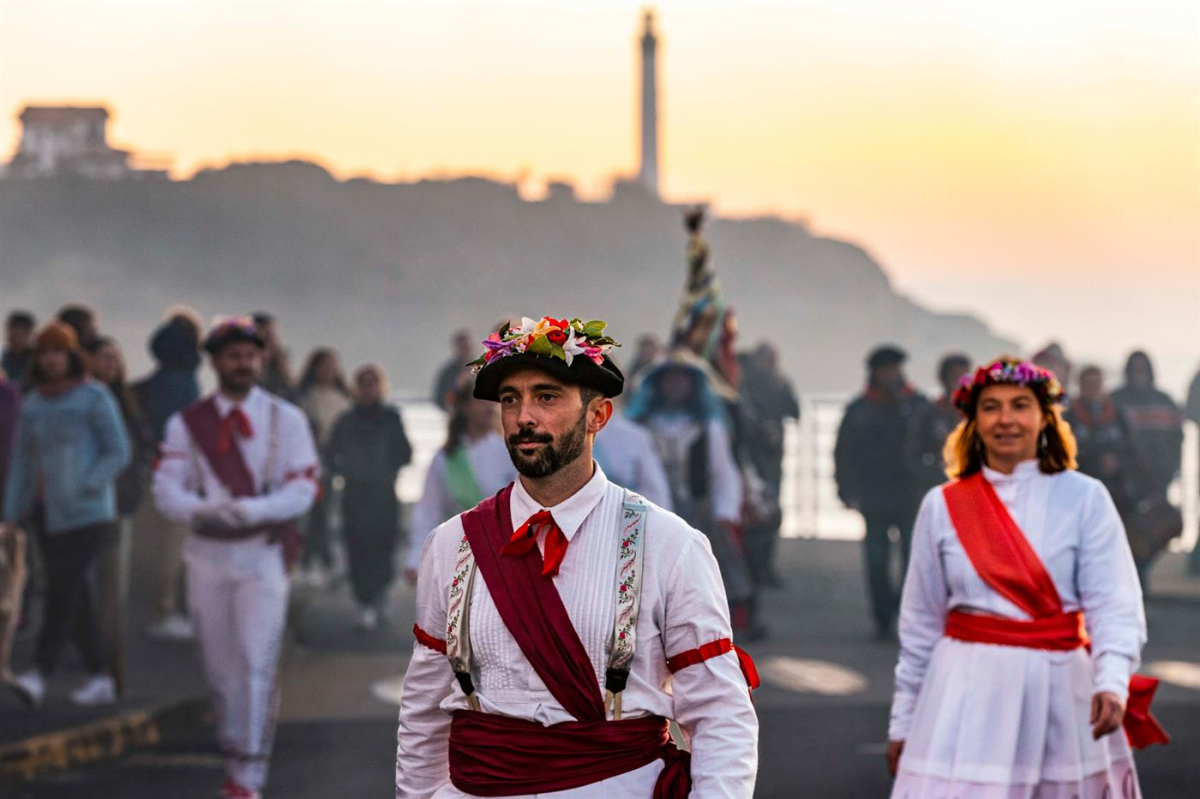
(701, 431)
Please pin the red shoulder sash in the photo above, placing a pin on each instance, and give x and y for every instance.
(204, 423)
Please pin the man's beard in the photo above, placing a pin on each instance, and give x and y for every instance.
(237, 381)
(549, 458)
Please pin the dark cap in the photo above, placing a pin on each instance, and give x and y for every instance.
(603, 377)
(887, 355)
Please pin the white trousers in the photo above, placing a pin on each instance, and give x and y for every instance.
(238, 596)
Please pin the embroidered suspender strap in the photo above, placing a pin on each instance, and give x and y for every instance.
(628, 601)
(458, 615)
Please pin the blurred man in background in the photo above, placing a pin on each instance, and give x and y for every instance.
(873, 477)
(18, 346)
(454, 370)
(934, 423)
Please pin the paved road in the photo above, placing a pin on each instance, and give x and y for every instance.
(336, 738)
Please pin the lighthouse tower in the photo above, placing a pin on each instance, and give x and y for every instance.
(648, 171)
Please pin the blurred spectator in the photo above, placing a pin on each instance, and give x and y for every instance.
(463, 346)
(873, 477)
(175, 347)
(1155, 424)
(626, 453)
(933, 424)
(1192, 411)
(108, 368)
(1102, 434)
(1054, 358)
(649, 350)
(10, 409)
(686, 421)
(769, 400)
(277, 371)
(18, 347)
(324, 397)
(368, 447)
(473, 464)
(71, 446)
(83, 320)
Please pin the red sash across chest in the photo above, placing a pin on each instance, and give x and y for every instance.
(1004, 559)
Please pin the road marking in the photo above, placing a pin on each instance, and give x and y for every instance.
(1176, 672)
(812, 676)
(388, 691)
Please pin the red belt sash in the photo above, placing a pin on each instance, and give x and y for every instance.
(493, 755)
(1004, 559)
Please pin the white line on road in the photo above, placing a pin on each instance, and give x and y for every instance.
(812, 676)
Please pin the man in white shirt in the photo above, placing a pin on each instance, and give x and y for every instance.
(238, 467)
(584, 587)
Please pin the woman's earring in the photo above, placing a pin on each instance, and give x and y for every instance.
(1043, 444)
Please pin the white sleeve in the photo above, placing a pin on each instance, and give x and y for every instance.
(1110, 595)
(175, 484)
(430, 510)
(423, 734)
(651, 477)
(923, 609)
(712, 700)
(295, 492)
(726, 480)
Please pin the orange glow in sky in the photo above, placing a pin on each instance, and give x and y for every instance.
(976, 149)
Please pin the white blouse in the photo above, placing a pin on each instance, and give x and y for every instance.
(1070, 521)
(683, 607)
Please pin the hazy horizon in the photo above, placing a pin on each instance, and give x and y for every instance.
(1038, 166)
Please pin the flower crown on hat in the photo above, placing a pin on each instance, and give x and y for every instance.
(225, 325)
(556, 338)
(1010, 372)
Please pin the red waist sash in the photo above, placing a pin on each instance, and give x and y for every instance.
(1062, 632)
(494, 755)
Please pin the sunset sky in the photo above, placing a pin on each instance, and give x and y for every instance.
(1036, 163)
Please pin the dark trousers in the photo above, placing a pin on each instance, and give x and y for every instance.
(371, 532)
(68, 612)
(877, 550)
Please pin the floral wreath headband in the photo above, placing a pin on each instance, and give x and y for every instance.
(555, 338)
(1009, 372)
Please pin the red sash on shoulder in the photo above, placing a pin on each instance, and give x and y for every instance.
(203, 421)
(1004, 559)
(483, 748)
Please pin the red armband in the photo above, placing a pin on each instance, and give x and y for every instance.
(427, 640)
(715, 649)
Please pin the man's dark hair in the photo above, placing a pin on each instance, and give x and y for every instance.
(951, 362)
(262, 318)
(22, 319)
(587, 394)
(77, 316)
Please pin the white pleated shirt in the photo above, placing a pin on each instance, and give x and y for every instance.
(683, 607)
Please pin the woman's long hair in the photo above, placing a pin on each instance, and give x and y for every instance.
(319, 356)
(119, 386)
(456, 427)
(965, 453)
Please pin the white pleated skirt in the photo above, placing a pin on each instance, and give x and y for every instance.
(1002, 722)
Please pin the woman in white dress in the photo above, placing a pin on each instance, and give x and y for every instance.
(997, 693)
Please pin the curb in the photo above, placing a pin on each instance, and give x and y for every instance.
(97, 742)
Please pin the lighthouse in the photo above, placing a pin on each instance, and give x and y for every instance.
(648, 171)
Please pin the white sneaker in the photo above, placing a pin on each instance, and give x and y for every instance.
(173, 628)
(100, 689)
(30, 686)
(368, 619)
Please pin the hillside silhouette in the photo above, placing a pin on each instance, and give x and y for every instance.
(386, 271)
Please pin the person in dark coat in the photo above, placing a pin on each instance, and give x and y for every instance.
(18, 347)
(1105, 446)
(175, 346)
(1155, 425)
(934, 424)
(452, 371)
(1192, 411)
(368, 447)
(873, 477)
(772, 401)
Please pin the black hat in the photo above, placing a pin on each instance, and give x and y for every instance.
(887, 355)
(232, 330)
(605, 378)
(561, 348)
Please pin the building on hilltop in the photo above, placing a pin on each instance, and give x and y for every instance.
(72, 140)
